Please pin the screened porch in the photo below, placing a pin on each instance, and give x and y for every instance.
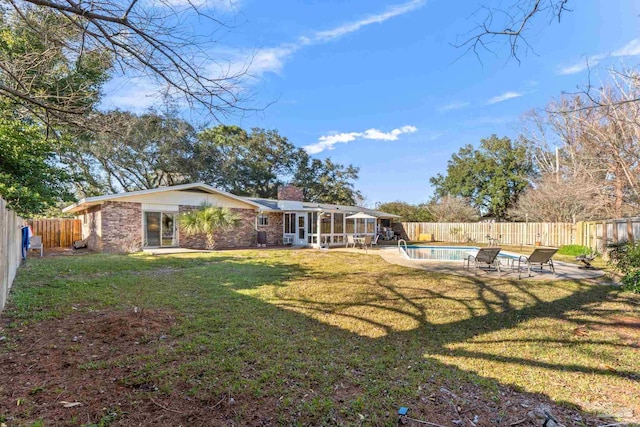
(326, 228)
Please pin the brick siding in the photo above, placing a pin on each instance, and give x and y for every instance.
(244, 235)
(291, 192)
(273, 229)
(121, 227)
(92, 227)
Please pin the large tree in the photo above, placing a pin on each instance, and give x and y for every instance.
(491, 177)
(598, 149)
(31, 179)
(136, 152)
(324, 181)
(244, 163)
(407, 211)
(149, 40)
(256, 163)
(452, 209)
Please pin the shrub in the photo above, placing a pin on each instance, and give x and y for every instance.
(626, 259)
(574, 250)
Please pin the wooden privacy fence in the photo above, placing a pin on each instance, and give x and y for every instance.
(598, 234)
(57, 232)
(10, 249)
(507, 233)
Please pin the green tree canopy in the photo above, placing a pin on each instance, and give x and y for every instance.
(408, 212)
(135, 152)
(491, 177)
(256, 163)
(42, 86)
(30, 179)
(324, 181)
(246, 164)
(39, 75)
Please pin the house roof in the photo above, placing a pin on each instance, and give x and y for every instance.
(92, 201)
(265, 205)
(291, 205)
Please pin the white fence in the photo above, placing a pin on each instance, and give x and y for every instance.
(10, 252)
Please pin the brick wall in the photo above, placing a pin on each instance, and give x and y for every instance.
(121, 227)
(92, 227)
(244, 235)
(273, 229)
(290, 192)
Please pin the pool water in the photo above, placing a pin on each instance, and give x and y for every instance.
(445, 253)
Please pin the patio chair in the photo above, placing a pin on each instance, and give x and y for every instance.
(486, 257)
(350, 241)
(35, 244)
(540, 256)
(375, 240)
(367, 241)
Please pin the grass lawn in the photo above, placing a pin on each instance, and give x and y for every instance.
(304, 337)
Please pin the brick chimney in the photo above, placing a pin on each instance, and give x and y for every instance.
(290, 192)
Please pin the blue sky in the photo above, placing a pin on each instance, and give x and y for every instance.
(379, 85)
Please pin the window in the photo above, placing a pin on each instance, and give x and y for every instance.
(338, 225)
(325, 224)
(289, 223)
(263, 220)
(312, 222)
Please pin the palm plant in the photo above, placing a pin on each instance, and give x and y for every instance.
(207, 220)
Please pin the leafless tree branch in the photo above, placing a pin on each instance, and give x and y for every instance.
(144, 39)
(510, 23)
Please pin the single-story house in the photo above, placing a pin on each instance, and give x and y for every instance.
(136, 220)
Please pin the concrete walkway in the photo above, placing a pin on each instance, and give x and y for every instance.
(564, 271)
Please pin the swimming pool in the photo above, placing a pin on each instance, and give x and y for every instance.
(445, 253)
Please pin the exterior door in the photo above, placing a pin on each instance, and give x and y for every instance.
(160, 229)
(152, 226)
(301, 234)
(169, 229)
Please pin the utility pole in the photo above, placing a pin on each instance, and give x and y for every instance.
(557, 165)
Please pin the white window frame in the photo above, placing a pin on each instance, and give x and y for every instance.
(263, 220)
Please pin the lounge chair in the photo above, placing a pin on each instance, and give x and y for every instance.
(350, 241)
(35, 244)
(486, 257)
(540, 256)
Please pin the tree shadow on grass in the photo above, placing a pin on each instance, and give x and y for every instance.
(294, 359)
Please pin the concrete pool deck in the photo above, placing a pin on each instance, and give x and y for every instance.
(564, 270)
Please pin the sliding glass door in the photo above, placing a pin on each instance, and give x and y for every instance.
(160, 229)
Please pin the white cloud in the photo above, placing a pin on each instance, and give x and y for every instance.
(350, 27)
(327, 142)
(573, 69)
(456, 105)
(272, 59)
(132, 94)
(505, 96)
(630, 49)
